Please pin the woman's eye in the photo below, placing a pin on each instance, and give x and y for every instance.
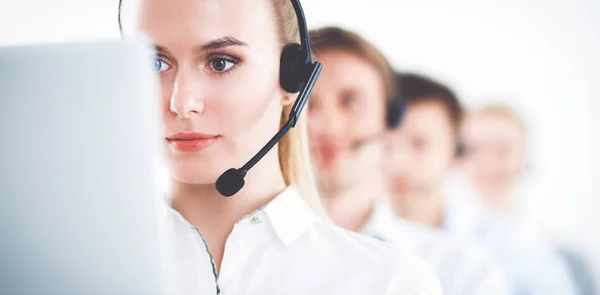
(160, 65)
(220, 64)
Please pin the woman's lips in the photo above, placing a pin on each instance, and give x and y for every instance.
(191, 142)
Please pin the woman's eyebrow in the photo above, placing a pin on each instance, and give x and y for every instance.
(160, 49)
(219, 43)
(211, 45)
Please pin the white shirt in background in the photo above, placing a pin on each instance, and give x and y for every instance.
(532, 264)
(284, 248)
(530, 261)
(462, 267)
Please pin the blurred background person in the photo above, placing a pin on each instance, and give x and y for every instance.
(495, 143)
(423, 152)
(495, 139)
(352, 107)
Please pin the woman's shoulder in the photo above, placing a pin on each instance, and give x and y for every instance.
(396, 267)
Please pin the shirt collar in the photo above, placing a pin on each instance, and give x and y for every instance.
(168, 213)
(381, 224)
(288, 213)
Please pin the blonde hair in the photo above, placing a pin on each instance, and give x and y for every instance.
(294, 157)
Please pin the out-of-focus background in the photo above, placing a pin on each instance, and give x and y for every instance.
(541, 57)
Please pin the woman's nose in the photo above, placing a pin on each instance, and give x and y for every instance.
(187, 98)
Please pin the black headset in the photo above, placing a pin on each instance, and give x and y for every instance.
(461, 148)
(395, 110)
(297, 73)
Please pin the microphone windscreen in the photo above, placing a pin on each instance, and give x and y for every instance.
(230, 182)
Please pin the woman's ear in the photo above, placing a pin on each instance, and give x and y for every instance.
(288, 98)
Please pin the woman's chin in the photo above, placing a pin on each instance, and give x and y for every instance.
(194, 171)
(195, 176)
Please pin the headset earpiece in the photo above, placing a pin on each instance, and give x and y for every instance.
(461, 149)
(394, 113)
(293, 68)
(297, 73)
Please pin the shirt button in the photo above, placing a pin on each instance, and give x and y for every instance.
(255, 220)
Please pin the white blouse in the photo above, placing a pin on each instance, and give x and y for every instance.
(284, 248)
(463, 267)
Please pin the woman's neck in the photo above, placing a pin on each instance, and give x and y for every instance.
(351, 206)
(214, 215)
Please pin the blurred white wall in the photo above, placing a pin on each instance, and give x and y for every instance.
(541, 56)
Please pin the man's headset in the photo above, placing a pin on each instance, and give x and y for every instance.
(297, 73)
(394, 113)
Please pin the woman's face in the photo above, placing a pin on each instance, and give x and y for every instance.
(218, 62)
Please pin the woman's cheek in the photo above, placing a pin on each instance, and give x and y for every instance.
(243, 103)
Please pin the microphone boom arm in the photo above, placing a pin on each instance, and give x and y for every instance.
(292, 119)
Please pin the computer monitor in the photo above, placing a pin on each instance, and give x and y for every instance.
(78, 200)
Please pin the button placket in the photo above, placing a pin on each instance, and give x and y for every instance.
(212, 262)
(233, 252)
(240, 243)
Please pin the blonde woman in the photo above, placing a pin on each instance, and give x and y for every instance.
(222, 100)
